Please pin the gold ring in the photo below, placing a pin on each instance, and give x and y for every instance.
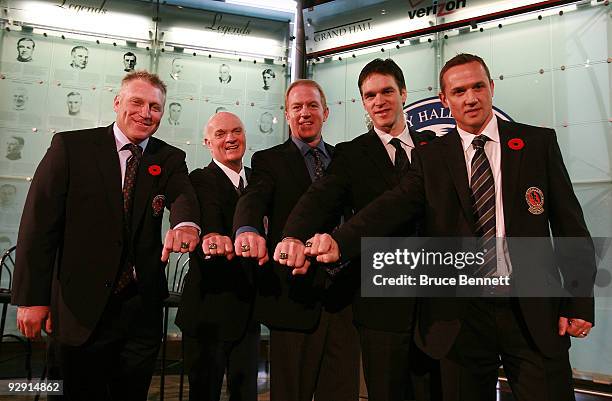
(245, 247)
(184, 245)
(212, 245)
(283, 256)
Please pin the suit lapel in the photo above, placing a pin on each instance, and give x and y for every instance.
(144, 183)
(455, 161)
(107, 160)
(376, 151)
(297, 164)
(510, 168)
(229, 191)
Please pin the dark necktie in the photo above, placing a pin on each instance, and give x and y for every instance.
(129, 182)
(401, 158)
(483, 201)
(319, 170)
(240, 188)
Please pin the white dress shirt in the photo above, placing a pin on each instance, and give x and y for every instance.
(232, 175)
(404, 138)
(492, 149)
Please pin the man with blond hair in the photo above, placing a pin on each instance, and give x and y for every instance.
(90, 260)
(314, 346)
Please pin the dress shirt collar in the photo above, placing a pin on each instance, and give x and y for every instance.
(121, 140)
(231, 174)
(404, 137)
(490, 130)
(304, 147)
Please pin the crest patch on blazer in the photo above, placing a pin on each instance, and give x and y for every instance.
(535, 200)
(158, 204)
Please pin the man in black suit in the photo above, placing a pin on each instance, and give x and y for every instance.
(362, 170)
(314, 346)
(491, 178)
(215, 314)
(88, 265)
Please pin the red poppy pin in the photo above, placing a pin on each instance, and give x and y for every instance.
(516, 144)
(154, 170)
(422, 143)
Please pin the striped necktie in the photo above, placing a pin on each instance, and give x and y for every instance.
(483, 205)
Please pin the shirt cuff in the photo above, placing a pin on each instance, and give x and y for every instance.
(246, 229)
(188, 224)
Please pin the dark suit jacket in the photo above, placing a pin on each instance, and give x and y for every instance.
(218, 294)
(72, 234)
(284, 301)
(360, 172)
(437, 189)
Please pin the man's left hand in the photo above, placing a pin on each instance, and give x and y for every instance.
(574, 327)
(182, 239)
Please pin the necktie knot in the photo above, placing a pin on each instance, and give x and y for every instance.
(397, 144)
(134, 149)
(479, 141)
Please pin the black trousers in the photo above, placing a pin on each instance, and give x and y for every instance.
(323, 363)
(117, 361)
(208, 360)
(395, 369)
(493, 334)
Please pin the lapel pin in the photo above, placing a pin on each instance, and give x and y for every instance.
(158, 205)
(154, 170)
(535, 200)
(516, 144)
(422, 143)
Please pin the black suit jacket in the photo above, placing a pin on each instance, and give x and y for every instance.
(218, 294)
(437, 189)
(360, 172)
(72, 236)
(284, 301)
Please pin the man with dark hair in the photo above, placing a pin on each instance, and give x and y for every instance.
(129, 62)
(314, 350)
(267, 75)
(74, 101)
(14, 146)
(80, 57)
(362, 170)
(492, 179)
(25, 50)
(215, 316)
(174, 113)
(91, 230)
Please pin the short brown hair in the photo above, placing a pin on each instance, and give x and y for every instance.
(383, 67)
(305, 82)
(146, 76)
(460, 59)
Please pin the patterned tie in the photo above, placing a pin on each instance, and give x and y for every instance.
(319, 170)
(401, 158)
(483, 201)
(129, 182)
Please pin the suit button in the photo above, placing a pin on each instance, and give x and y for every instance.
(108, 284)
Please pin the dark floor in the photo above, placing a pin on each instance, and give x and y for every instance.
(13, 366)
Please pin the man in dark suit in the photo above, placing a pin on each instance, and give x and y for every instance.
(491, 178)
(215, 314)
(314, 346)
(361, 170)
(88, 264)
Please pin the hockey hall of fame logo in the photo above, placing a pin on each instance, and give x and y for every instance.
(430, 114)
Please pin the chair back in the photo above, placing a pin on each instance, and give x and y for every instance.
(7, 265)
(176, 272)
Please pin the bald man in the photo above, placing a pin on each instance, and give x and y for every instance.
(215, 314)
